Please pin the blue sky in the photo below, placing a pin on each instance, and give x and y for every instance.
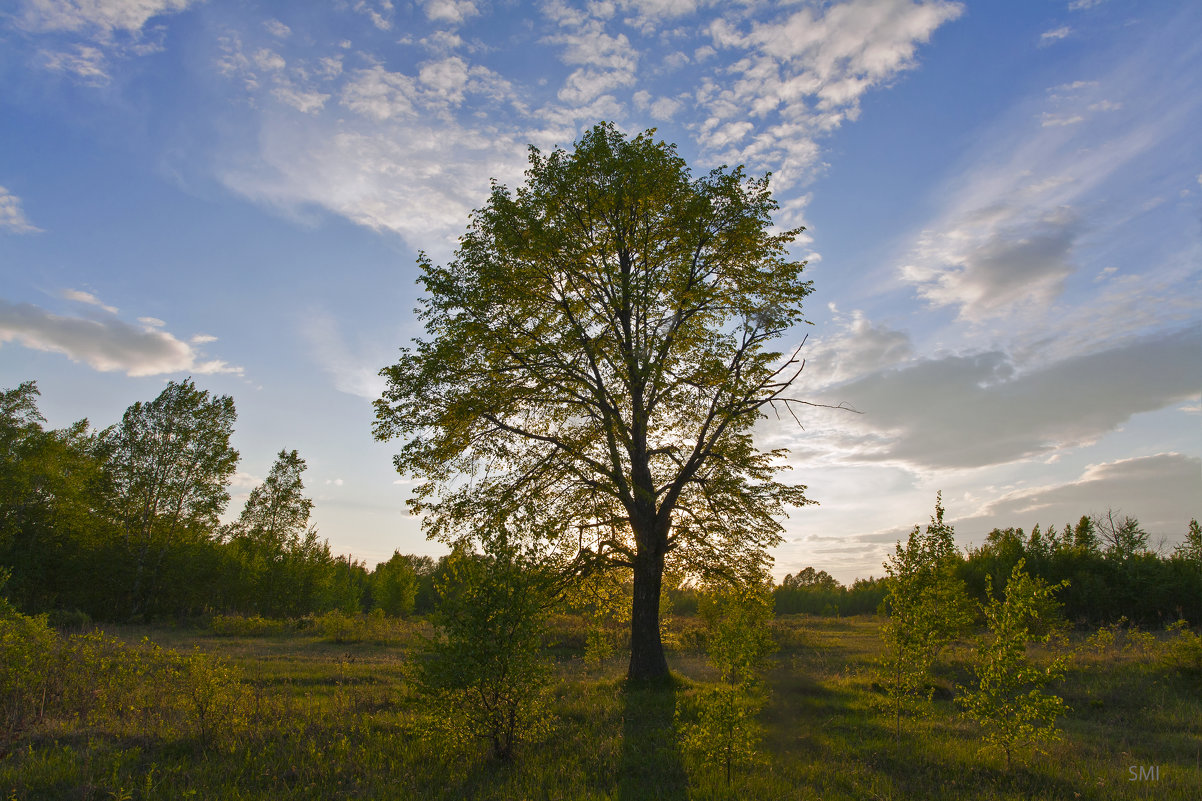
(1003, 204)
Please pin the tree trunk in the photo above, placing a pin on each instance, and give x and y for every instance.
(647, 659)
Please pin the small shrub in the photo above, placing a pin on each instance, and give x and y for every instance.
(1010, 702)
(738, 642)
(340, 627)
(70, 620)
(239, 626)
(1183, 650)
(487, 672)
(27, 655)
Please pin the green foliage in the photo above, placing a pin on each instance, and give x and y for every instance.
(1010, 702)
(168, 463)
(486, 673)
(340, 627)
(603, 599)
(1183, 649)
(928, 608)
(394, 586)
(1122, 537)
(738, 642)
(27, 658)
(1191, 549)
(738, 638)
(246, 626)
(727, 732)
(600, 349)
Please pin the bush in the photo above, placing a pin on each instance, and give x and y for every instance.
(738, 642)
(487, 672)
(1010, 702)
(1183, 650)
(341, 627)
(70, 620)
(239, 626)
(27, 656)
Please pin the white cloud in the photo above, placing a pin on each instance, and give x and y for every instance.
(1055, 35)
(803, 75)
(109, 345)
(100, 18)
(1082, 5)
(452, 11)
(352, 369)
(378, 11)
(604, 62)
(86, 63)
(86, 297)
(152, 322)
(277, 29)
(305, 102)
(269, 60)
(380, 94)
(12, 215)
(665, 108)
(1052, 120)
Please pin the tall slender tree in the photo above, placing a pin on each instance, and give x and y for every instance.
(599, 348)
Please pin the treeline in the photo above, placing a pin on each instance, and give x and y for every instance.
(1111, 573)
(124, 523)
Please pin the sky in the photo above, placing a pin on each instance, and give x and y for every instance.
(1002, 202)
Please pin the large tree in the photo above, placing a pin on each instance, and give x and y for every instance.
(598, 351)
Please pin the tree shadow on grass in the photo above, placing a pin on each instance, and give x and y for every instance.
(651, 766)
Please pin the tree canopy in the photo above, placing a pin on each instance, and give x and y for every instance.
(598, 350)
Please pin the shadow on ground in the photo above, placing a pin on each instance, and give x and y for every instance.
(651, 765)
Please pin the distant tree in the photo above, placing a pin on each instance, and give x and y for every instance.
(281, 561)
(49, 484)
(809, 577)
(394, 586)
(600, 348)
(1085, 535)
(277, 510)
(928, 607)
(169, 462)
(1191, 549)
(1010, 701)
(1122, 536)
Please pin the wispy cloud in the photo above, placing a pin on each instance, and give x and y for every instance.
(80, 296)
(1055, 35)
(12, 215)
(88, 34)
(352, 369)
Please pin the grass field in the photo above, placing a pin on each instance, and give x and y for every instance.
(329, 720)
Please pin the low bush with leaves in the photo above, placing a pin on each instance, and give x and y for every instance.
(28, 649)
(252, 626)
(341, 627)
(486, 672)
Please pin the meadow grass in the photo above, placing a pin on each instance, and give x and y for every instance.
(340, 721)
